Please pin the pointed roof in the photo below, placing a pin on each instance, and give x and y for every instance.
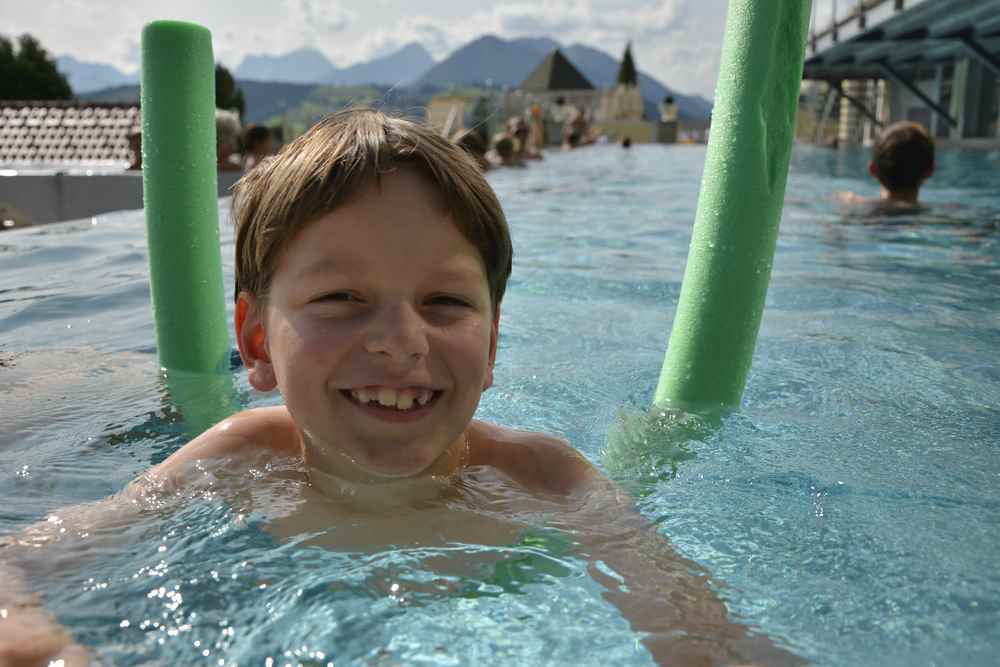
(556, 73)
(626, 73)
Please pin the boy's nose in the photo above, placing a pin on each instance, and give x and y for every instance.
(397, 331)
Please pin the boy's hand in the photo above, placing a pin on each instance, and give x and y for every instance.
(29, 635)
(845, 197)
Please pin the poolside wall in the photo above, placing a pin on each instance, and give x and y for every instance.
(42, 197)
(639, 131)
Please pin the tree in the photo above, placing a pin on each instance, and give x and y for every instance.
(227, 95)
(626, 73)
(29, 73)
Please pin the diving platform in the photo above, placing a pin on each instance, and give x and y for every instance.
(934, 61)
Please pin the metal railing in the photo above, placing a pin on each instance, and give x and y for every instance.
(829, 16)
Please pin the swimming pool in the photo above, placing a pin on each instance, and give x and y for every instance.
(850, 510)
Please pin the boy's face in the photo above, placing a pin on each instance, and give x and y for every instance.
(382, 301)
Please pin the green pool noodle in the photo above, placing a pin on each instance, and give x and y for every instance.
(180, 194)
(739, 208)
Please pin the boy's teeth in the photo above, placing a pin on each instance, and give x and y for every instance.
(391, 398)
(387, 397)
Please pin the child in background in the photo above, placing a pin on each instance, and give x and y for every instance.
(371, 263)
(258, 143)
(902, 159)
(504, 152)
(227, 140)
(135, 147)
(474, 145)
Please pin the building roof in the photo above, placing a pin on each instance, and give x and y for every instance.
(556, 73)
(66, 133)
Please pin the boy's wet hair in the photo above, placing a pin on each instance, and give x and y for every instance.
(903, 156)
(335, 161)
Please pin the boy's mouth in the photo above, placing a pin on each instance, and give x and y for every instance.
(401, 400)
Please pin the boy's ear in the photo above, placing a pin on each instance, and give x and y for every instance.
(873, 170)
(494, 332)
(251, 337)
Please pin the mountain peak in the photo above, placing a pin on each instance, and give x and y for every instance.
(412, 49)
(86, 77)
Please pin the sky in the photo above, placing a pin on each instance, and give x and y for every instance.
(677, 41)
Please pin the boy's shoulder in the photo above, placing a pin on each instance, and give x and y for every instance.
(541, 463)
(244, 435)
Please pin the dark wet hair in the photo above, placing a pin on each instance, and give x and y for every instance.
(505, 147)
(472, 142)
(903, 156)
(254, 135)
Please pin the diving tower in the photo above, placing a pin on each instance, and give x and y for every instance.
(932, 61)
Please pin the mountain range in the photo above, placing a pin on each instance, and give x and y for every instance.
(87, 77)
(310, 66)
(488, 61)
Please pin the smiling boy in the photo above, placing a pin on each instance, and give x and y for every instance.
(371, 262)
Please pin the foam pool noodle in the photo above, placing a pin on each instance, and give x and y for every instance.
(739, 208)
(180, 194)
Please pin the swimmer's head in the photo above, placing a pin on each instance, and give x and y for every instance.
(338, 159)
(505, 147)
(903, 157)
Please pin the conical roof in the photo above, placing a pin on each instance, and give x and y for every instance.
(556, 73)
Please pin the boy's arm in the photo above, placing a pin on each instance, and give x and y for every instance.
(659, 592)
(29, 635)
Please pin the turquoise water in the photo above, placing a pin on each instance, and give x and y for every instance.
(850, 510)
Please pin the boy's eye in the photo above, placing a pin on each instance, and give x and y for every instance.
(446, 300)
(337, 297)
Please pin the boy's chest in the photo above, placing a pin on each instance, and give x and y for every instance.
(340, 529)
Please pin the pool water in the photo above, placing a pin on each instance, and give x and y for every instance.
(850, 510)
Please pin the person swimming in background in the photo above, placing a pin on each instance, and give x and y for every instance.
(371, 262)
(135, 147)
(503, 153)
(902, 160)
(520, 132)
(258, 143)
(668, 110)
(227, 140)
(472, 142)
(576, 131)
